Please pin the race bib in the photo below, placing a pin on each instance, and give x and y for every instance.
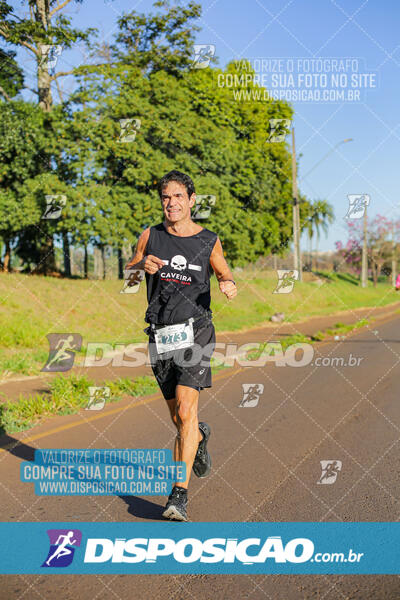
(174, 337)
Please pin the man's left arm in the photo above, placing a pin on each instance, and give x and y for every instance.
(222, 271)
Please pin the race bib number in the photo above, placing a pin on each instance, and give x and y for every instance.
(174, 337)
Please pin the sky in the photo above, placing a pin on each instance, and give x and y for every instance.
(351, 47)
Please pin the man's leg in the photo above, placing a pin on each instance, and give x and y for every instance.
(183, 410)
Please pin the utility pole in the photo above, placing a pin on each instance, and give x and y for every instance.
(394, 265)
(364, 262)
(296, 213)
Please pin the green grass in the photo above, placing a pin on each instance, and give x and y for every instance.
(299, 338)
(318, 336)
(68, 395)
(340, 328)
(284, 342)
(32, 306)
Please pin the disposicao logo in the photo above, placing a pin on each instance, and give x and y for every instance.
(189, 550)
(62, 547)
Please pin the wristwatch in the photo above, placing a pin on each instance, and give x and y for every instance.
(234, 282)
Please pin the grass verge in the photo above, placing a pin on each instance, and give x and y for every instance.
(67, 395)
(319, 336)
(99, 313)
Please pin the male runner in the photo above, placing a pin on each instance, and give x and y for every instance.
(178, 257)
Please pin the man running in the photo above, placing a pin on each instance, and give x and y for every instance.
(178, 257)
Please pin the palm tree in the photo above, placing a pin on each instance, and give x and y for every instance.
(322, 216)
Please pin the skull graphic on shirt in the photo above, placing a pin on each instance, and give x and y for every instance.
(178, 262)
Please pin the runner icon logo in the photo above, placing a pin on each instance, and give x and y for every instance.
(330, 470)
(129, 128)
(133, 279)
(49, 57)
(251, 394)
(203, 206)
(286, 280)
(62, 547)
(203, 53)
(98, 397)
(54, 205)
(279, 128)
(62, 351)
(357, 205)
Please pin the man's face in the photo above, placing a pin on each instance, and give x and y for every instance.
(176, 202)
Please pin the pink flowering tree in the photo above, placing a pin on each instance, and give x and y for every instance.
(383, 240)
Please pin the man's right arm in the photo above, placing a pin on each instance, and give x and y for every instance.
(137, 260)
(149, 263)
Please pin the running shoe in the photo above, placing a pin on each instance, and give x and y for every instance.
(202, 460)
(176, 507)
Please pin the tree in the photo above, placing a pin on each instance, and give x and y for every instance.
(23, 145)
(190, 123)
(183, 118)
(43, 34)
(380, 247)
(319, 215)
(40, 34)
(11, 77)
(161, 41)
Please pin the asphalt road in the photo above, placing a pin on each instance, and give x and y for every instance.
(266, 465)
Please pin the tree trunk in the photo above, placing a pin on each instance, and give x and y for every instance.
(7, 256)
(378, 271)
(47, 263)
(43, 76)
(103, 258)
(85, 262)
(67, 254)
(316, 253)
(120, 264)
(374, 274)
(44, 89)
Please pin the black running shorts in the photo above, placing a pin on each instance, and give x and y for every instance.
(188, 366)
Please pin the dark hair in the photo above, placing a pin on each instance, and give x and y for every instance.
(178, 177)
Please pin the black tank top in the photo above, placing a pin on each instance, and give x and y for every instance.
(181, 289)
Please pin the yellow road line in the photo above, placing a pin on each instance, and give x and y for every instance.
(96, 417)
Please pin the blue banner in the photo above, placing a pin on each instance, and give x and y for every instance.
(170, 547)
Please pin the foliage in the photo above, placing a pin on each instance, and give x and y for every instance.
(383, 240)
(188, 121)
(11, 76)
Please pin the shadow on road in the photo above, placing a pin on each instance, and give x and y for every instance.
(16, 447)
(143, 509)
